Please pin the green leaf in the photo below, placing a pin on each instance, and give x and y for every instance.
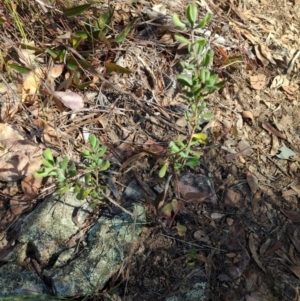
(76, 10)
(72, 170)
(181, 229)
(112, 67)
(193, 162)
(83, 193)
(77, 37)
(94, 205)
(99, 162)
(101, 36)
(163, 170)
(85, 152)
(178, 22)
(212, 80)
(84, 85)
(64, 189)
(44, 172)
(20, 69)
(207, 116)
(167, 210)
(220, 84)
(180, 143)
(199, 46)
(73, 64)
(208, 58)
(105, 165)
(182, 39)
(63, 165)
(46, 163)
(53, 53)
(62, 55)
(94, 142)
(47, 153)
(174, 148)
(2, 21)
(122, 36)
(29, 47)
(205, 20)
(204, 75)
(102, 151)
(192, 13)
(104, 19)
(77, 187)
(184, 80)
(88, 178)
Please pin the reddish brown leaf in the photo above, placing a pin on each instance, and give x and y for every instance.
(231, 157)
(268, 127)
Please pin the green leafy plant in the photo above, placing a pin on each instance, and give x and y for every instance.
(198, 82)
(65, 172)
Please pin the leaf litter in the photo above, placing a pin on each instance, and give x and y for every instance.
(242, 203)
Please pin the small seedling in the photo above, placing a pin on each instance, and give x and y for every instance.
(198, 83)
(65, 173)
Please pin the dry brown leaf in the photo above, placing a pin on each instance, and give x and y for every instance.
(245, 151)
(252, 247)
(294, 216)
(70, 99)
(249, 115)
(279, 81)
(275, 146)
(232, 198)
(31, 185)
(182, 122)
(31, 84)
(19, 204)
(55, 72)
(265, 51)
(18, 157)
(293, 255)
(296, 188)
(133, 159)
(256, 296)
(288, 193)
(27, 56)
(154, 147)
(296, 241)
(167, 39)
(264, 61)
(295, 270)
(290, 89)
(258, 81)
(267, 126)
(252, 182)
(204, 259)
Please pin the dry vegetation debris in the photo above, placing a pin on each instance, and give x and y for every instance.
(247, 239)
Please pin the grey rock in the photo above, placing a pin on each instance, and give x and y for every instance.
(196, 288)
(108, 242)
(16, 280)
(68, 272)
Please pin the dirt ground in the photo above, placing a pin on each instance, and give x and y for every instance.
(243, 232)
